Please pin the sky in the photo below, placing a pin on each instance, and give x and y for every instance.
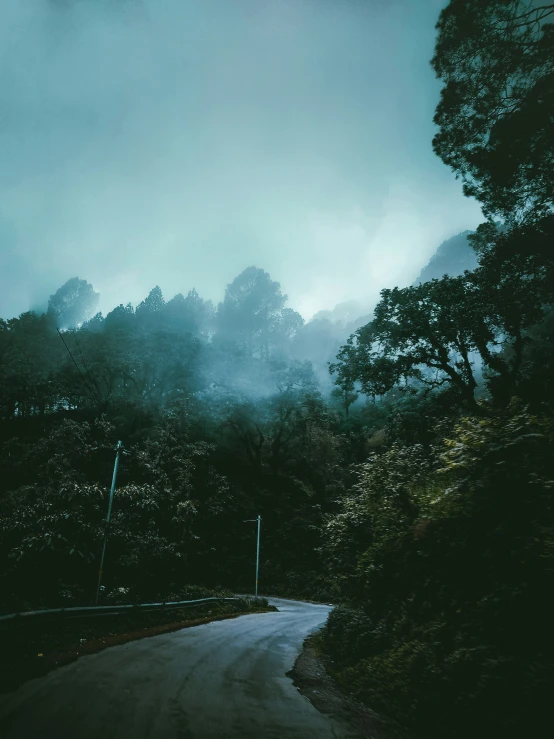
(177, 142)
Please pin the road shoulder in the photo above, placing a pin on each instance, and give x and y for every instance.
(312, 681)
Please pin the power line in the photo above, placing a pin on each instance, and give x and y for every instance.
(78, 368)
(93, 384)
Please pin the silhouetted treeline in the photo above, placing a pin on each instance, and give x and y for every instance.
(416, 492)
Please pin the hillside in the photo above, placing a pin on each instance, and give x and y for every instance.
(451, 258)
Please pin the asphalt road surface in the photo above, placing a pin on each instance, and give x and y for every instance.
(223, 680)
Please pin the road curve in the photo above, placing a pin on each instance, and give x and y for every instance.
(223, 680)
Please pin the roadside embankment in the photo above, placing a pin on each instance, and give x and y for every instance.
(313, 681)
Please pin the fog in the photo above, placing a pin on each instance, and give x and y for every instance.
(174, 142)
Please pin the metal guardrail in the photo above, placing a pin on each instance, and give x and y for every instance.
(90, 610)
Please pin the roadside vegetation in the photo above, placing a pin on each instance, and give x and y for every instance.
(443, 550)
(412, 485)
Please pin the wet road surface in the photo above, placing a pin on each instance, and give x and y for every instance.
(223, 680)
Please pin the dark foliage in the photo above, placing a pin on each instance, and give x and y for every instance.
(417, 492)
(443, 548)
(448, 627)
(495, 116)
(219, 421)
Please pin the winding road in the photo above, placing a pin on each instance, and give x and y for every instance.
(223, 680)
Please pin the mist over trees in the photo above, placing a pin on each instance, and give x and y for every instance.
(222, 391)
(72, 304)
(402, 463)
(452, 258)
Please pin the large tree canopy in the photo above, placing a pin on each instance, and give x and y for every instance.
(73, 303)
(435, 332)
(421, 333)
(496, 112)
(254, 316)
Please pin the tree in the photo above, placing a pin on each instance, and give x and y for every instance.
(95, 324)
(496, 112)
(345, 393)
(162, 529)
(250, 311)
(285, 328)
(31, 357)
(433, 333)
(422, 333)
(121, 318)
(73, 303)
(190, 315)
(150, 311)
(515, 281)
(201, 311)
(381, 505)
(267, 427)
(318, 341)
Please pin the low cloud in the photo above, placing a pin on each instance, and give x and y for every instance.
(175, 143)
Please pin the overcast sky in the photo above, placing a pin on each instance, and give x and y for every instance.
(176, 142)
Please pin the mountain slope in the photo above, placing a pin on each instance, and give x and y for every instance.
(451, 258)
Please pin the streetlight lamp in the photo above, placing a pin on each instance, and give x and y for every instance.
(259, 520)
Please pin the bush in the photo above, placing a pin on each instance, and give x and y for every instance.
(450, 631)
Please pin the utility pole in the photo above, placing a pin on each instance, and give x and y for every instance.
(259, 521)
(118, 450)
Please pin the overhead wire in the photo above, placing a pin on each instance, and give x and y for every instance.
(93, 384)
(90, 394)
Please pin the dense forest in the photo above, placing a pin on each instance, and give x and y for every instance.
(404, 472)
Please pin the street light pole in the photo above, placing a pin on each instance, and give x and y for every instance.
(258, 553)
(259, 521)
(118, 450)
